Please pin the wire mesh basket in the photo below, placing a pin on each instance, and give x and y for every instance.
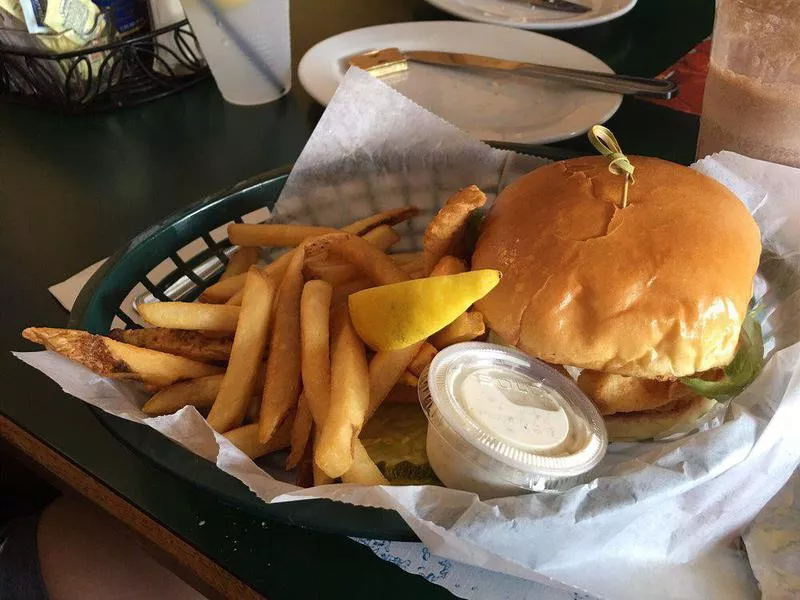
(112, 75)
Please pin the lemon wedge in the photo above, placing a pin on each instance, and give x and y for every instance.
(395, 316)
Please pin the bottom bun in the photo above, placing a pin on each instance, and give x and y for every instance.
(649, 424)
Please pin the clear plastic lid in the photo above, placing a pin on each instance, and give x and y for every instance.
(511, 416)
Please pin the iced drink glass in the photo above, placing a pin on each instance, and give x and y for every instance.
(752, 97)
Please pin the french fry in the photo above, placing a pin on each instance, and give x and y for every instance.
(191, 344)
(226, 291)
(414, 266)
(301, 432)
(110, 358)
(315, 342)
(249, 345)
(245, 438)
(339, 274)
(315, 364)
(422, 359)
(390, 217)
(229, 291)
(369, 259)
(236, 299)
(382, 237)
(223, 290)
(449, 265)
(199, 393)
(254, 405)
(318, 249)
(276, 270)
(363, 470)
(190, 315)
(409, 379)
(334, 274)
(403, 258)
(341, 292)
(465, 328)
(385, 370)
(315, 347)
(282, 385)
(240, 262)
(273, 236)
(320, 476)
(349, 398)
(278, 267)
(445, 233)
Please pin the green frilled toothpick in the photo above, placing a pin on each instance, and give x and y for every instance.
(607, 145)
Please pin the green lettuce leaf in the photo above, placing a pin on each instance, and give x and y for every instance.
(743, 369)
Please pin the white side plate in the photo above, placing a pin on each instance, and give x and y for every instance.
(489, 106)
(516, 13)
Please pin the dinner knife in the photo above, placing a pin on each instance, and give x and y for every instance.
(560, 5)
(392, 60)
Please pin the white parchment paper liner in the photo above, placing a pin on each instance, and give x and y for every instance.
(656, 521)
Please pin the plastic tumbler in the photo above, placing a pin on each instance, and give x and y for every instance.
(260, 73)
(752, 96)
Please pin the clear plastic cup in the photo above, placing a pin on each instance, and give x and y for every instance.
(264, 26)
(752, 96)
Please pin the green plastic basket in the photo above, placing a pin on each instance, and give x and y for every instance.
(109, 291)
(102, 300)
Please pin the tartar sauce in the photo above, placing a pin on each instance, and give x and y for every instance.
(502, 423)
(514, 407)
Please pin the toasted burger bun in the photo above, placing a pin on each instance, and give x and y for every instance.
(649, 424)
(658, 289)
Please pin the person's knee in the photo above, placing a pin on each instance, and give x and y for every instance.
(85, 553)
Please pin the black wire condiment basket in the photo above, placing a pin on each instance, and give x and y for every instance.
(112, 75)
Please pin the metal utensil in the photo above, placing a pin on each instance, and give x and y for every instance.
(392, 60)
(559, 5)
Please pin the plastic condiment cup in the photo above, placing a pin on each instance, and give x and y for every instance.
(501, 423)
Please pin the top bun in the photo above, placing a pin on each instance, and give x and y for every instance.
(658, 289)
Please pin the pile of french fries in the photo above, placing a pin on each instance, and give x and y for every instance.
(270, 353)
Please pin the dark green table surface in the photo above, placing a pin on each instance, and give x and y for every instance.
(72, 189)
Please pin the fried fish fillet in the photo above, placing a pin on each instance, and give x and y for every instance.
(446, 232)
(620, 394)
(118, 360)
(182, 342)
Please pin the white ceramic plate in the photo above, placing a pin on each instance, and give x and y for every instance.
(497, 107)
(516, 13)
